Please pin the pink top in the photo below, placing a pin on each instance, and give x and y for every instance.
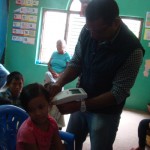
(29, 133)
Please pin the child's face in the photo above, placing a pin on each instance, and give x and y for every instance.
(38, 110)
(16, 87)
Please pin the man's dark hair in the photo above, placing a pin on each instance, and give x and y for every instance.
(14, 75)
(105, 9)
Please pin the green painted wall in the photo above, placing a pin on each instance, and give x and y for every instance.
(21, 57)
(3, 26)
(140, 93)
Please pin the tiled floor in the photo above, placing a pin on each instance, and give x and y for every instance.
(127, 133)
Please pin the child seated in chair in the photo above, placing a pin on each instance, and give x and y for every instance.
(39, 131)
(11, 91)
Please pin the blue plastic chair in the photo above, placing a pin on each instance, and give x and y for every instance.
(68, 139)
(11, 117)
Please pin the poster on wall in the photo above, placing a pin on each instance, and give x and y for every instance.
(30, 33)
(27, 2)
(24, 21)
(147, 34)
(147, 22)
(24, 25)
(147, 68)
(27, 18)
(25, 40)
(26, 10)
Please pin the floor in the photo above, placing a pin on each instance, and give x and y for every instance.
(127, 133)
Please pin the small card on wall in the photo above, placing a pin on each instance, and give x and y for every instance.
(25, 40)
(17, 17)
(27, 2)
(30, 33)
(147, 22)
(28, 40)
(147, 34)
(147, 68)
(16, 24)
(24, 25)
(26, 10)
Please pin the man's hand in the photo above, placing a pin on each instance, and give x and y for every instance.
(70, 107)
(55, 88)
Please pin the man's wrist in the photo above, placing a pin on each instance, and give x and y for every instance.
(59, 83)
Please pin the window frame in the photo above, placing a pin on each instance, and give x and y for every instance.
(38, 60)
(68, 12)
(135, 19)
(66, 31)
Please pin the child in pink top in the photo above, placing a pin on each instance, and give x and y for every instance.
(39, 131)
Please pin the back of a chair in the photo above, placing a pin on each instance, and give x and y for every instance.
(68, 139)
(11, 117)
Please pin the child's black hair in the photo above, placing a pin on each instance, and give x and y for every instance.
(14, 75)
(32, 91)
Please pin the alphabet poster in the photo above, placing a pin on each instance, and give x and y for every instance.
(24, 21)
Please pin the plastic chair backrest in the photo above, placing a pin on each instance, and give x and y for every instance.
(11, 117)
(68, 139)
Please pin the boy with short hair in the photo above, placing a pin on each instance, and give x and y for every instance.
(13, 88)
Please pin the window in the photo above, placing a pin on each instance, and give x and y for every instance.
(51, 20)
(134, 24)
(60, 24)
(75, 25)
(67, 25)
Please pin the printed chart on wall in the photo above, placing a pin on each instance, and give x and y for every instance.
(147, 68)
(24, 21)
(147, 37)
(147, 27)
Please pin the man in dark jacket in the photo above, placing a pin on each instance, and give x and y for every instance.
(107, 58)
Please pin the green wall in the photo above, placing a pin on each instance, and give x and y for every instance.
(3, 26)
(21, 57)
(140, 95)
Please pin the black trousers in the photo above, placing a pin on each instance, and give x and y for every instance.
(142, 130)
